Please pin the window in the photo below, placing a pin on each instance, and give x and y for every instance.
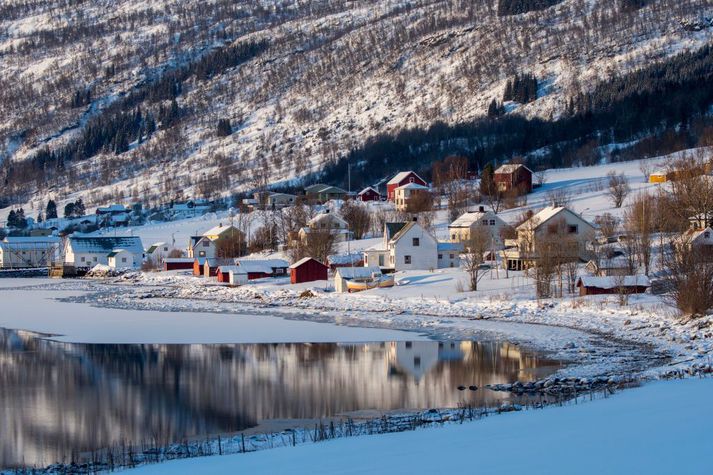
(83, 259)
(572, 229)
(453, 237)
(201, 254)
(206, 244)
(707, 234)
(416, 361)
(484, 222)
(407, 259)
(391, 259)
(95, 258)
(440, 256)
(409, 344)
(492, 222)
(452, 256)
(416, 242)
(411, 179)
(381, 260)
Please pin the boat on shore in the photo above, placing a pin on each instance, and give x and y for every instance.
(358, 285)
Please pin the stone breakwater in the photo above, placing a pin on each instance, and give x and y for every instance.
(564, 386)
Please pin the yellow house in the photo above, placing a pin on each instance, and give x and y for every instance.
(659, 176)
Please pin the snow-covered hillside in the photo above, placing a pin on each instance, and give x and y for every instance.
(334, 74)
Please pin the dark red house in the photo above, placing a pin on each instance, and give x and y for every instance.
(198, 264)
(369, 194)
(628, 284)
(307, 270)
(513, 176)
(401, 179)
(178, 263)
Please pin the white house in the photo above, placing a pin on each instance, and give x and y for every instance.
(462, 228)
(122, 259)
(408, 246)
(88, 251)
(205, 245)
(23, 252)
(552, 225)
(327, 221)
(449, 254)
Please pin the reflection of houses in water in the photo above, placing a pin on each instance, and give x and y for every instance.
(417, 358)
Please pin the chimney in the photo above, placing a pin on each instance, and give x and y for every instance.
(481, 209)
(220, 225)
(414, 219)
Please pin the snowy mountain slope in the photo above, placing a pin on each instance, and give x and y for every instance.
(334, 74)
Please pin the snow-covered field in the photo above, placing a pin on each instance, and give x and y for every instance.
(660, 428)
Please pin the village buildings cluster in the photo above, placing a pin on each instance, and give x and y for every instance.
(404, 245)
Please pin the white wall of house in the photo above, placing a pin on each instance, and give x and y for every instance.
(85, 259)
(203, 248)
(415, 249)
(448, 258)
(488, 220)
(123, 260)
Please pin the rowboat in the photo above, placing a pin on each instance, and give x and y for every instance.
(373, 283)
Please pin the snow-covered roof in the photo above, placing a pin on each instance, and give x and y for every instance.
(354, 257)
(303, 261)
(176, 260)
(399, 177)
(32, 240)
(412, 186)
(450, 246)
(322, 216)
(467, 219)
(115, 208)
(218, 230)
(545, 215)
(365, 190)
(357, 272)
(511, 168)
(232, 268)
(276, 263)
(105, 244)
(116, 252)
(613, 282)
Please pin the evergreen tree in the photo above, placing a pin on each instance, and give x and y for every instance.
(79, 207)
(487, 183)
(224, 128)
(51, 210)
(69, 210)
(11, 219)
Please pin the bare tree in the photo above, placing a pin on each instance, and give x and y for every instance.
(618, 188)
(473, 256)
(357, 217)
(317, 243)
(608, 224)
(558, 197)
(639, 219)
(689, 275)
(540, 176)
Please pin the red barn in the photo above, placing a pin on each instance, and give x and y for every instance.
(307, 270)
(369, 194)
(177, 263)
(513, 176)
(628, 284)
(210, 267)
(401, 179)
(198, 264)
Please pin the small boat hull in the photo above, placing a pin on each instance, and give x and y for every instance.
(361, 285)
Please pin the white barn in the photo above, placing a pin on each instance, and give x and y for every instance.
(88, 251)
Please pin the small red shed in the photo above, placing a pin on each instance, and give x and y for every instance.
(178, 263)
(307, 270)
(627, 284)
(210, 267)
(401, 179)
(198, 264)
(223, 272)
(369, 194)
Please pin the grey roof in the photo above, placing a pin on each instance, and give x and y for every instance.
(106, 244)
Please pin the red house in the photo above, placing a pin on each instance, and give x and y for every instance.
(307, 270)
(629, 284)
(513, 176)
(369, 194)
(177, 263)
(401, 179)
(198, 264)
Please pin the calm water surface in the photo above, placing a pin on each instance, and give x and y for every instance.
(57, 399)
